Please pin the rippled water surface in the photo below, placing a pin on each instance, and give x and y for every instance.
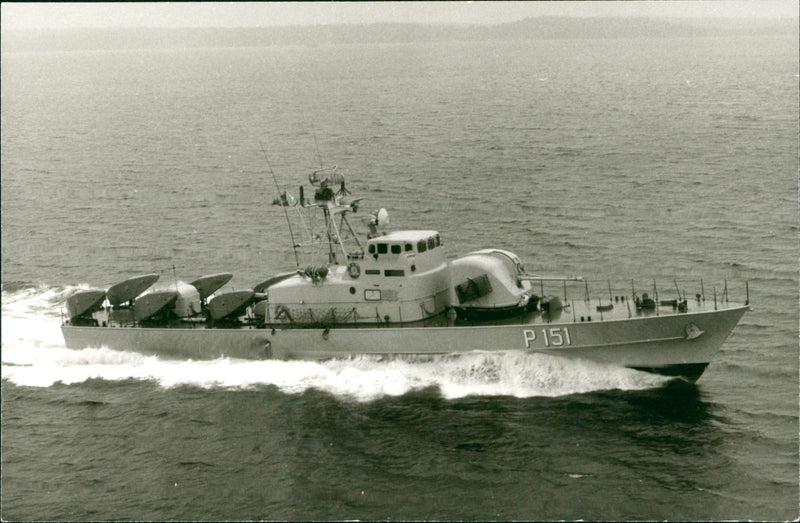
(614, 159)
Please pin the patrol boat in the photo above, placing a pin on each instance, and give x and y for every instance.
(398, 294)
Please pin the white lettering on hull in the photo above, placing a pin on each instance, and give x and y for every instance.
(552, 337)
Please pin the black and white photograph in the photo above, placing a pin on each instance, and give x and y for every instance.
(429, 261)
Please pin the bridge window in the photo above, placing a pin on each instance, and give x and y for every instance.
(422, 246)
(372, 248)
(438, 241)
(409, 247)
(396, 249)
(431, 243)
(383, 248)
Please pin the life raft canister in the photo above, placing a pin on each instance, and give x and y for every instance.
(354, 270)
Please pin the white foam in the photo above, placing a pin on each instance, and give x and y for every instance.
(33, 354)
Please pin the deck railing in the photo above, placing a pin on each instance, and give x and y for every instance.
(573, 289)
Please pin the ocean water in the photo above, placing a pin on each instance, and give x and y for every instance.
(613, 159)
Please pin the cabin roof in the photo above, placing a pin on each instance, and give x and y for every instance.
(412, 236)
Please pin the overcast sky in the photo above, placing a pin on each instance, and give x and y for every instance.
(251, 14)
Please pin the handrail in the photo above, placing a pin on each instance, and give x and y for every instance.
(683, 291)
(531, 277)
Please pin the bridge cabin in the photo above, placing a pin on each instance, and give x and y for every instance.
(403, 277)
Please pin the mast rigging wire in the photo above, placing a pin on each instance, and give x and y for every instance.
(285, 212)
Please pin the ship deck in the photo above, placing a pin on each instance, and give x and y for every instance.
(598, 310)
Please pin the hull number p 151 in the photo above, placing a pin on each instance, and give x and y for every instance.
(552, 337)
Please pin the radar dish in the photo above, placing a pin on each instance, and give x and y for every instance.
(383, 218)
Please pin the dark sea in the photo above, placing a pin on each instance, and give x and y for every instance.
(649, 158)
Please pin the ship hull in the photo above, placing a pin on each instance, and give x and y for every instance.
(678, 345)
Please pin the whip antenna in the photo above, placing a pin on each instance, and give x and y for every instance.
(285, 212)
(314, 134)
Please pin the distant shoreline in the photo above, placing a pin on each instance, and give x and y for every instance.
(540, 28)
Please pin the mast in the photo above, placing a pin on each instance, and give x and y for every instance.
(331, 205)
(328, 223)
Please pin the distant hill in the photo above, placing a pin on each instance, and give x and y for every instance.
(527, 29)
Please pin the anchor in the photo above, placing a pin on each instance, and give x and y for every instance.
(693, 331)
